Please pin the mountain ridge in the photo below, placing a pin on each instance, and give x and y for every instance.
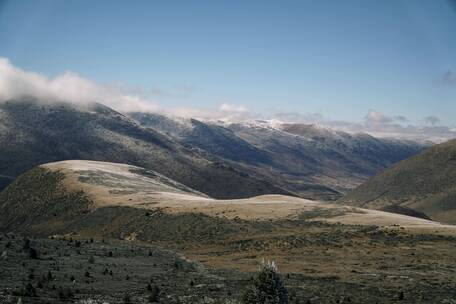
(252, 159)
(34, 133)
(313, 162)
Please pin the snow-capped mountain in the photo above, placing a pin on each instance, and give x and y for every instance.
(308, 159)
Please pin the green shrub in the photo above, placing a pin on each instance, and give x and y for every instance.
(65, 293)
(91, 259)
(155, 295)
(268, 287)
(29, 290)
(32, 253)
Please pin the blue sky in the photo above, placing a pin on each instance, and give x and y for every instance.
(336, 58)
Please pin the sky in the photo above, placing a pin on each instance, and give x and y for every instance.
(387, 61)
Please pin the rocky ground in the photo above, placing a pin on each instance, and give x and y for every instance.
(70, 270)
(325, 263)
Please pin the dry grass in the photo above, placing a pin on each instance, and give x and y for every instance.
(109, 184)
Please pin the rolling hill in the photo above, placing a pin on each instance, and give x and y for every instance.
(86, 216)
(35, 132)
(77, 195)
(248, 158)
(425, 183)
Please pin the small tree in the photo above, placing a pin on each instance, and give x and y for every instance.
(26, 245)
(65, 293)
(91, 259)
(32, 253)
(155, 295)
(267, 287)
(29, 290)
(49, 276)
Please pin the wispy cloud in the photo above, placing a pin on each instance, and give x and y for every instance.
(374, 117)
(230, 108)
(227, 112)
(16, 83)
(449, 78)
(432, 120)
(381, 125)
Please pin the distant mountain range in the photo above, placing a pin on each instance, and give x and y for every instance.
(221, 160)
(425, 183)
(309, 160)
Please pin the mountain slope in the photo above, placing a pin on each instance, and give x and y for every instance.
(74, 196)
(425, 183)
(33, 133)
(305, 159)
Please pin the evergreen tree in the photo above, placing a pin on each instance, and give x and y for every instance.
(267, 287)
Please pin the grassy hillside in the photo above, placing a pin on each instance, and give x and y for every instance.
(425, 182)
(38, 203)
(39, 196)
(325, 252)
(121, 201)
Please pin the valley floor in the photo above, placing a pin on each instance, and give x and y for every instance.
(320, 263)
(157, 241)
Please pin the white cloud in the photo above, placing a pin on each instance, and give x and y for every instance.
(381, 125)
(230, 108)
(378, 118)
(16, 83)
(374, 117)
(225, 112)
(297, 117)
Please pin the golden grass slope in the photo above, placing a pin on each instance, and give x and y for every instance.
(111, 184)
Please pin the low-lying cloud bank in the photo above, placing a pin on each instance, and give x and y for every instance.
(16, 84)
(381, 125)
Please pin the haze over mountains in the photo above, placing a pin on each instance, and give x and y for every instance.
(221, 160)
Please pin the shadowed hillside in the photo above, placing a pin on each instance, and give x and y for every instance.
(34, 133)
(425, 183)
(110, 198)
(314, 162)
